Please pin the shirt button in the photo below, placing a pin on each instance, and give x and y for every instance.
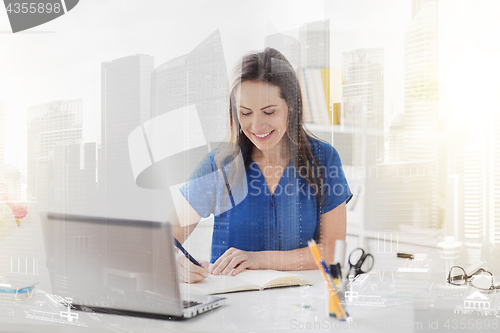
(272, 234)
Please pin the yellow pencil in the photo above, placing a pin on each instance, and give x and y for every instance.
(334, 305)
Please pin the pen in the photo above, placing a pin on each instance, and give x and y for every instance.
(327, 271)
(334, 304)
(336, 274)
(186, 253)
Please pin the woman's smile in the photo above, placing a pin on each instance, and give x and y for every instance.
(263, 137)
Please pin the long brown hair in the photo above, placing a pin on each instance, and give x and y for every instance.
(271, 67)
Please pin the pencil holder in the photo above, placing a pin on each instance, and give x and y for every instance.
(331, 301)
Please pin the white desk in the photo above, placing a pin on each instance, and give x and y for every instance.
(255, 311)
(288, 309)
(293, 309)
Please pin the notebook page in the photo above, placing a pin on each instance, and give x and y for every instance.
(214, 284)
(262, 277)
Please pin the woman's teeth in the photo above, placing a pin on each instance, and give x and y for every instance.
(263, 135)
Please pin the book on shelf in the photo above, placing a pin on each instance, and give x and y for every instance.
(305, 101)
(246, 281)
(324, 82)
(315, 86)
(317, 102)
(334, 113)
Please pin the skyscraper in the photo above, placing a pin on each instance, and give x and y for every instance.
(363, 73)
(200, 78)
(363, 108)
(421, 82)
(287, 45)
(473, 201)
(74, 181)
(50, 124)
(125, 105)
(421, 124)
(12, 181)
(314, 40)
(494, 179)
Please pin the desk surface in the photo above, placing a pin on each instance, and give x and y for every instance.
(401, 302)
(284, 309)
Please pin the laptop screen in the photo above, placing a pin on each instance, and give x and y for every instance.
(112, 263)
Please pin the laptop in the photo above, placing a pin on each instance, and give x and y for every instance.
(118, 266)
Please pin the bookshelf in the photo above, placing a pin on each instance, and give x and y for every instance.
(322, 128)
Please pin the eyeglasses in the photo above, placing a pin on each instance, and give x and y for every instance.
(480, 279)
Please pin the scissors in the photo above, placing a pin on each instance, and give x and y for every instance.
(360, 262)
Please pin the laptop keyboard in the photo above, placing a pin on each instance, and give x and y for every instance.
(188, 304)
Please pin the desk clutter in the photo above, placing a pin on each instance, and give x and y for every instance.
(360, 263)
(413, 281)
(407, 282)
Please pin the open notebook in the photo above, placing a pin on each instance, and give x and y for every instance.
(247, 280)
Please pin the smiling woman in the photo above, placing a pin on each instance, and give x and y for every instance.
(292, 197)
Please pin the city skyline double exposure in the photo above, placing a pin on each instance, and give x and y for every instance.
(112, 120)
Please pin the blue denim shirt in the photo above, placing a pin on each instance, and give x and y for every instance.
(283, 221)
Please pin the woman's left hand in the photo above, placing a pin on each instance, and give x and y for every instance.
(235, 259)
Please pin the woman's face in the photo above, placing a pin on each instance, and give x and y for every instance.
(262, 113)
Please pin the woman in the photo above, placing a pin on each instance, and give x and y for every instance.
(297, 190)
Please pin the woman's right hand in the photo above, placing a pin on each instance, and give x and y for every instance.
(189, 272)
